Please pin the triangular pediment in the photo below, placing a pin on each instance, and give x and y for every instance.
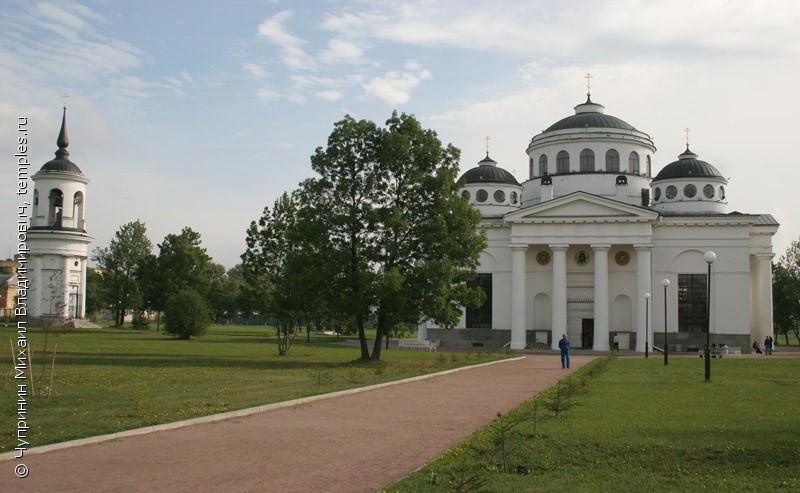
(581, 206)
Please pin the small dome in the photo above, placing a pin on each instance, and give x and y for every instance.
(61, 165)
(488, 172)
(687, 166)
(61, 162)
(590, 115)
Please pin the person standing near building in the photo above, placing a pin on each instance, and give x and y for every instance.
(768, 345)
(563, 344)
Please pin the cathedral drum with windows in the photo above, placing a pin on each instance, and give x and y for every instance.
(574, 249)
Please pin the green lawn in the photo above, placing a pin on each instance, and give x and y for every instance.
(635, 425)
(118, 379)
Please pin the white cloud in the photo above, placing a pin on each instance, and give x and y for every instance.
(329, 95)
(254, 70)
(266, 95)
(292, 52)
(342, 51)
(395, 87)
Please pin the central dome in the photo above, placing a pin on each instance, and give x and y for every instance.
(591, 115)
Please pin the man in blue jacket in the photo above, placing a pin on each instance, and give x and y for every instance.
(563, 344)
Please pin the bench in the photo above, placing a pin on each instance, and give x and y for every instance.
(720, 351)
(417, 345)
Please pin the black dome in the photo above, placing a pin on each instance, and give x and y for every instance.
(488, 172)
(591, 120)
(61, 165)
(686, 166)
(589, 115)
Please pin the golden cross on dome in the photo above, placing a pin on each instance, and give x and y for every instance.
(487, 139)
(686, 130)
(588, 83)
(65, 96)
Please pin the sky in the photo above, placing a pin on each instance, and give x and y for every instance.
(188, 114)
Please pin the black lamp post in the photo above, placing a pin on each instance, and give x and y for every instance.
(665, 283)
(709, 257)
(646, 324)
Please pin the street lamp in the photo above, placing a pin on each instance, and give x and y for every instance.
(709, 257)
(665, 283)
(646, 324)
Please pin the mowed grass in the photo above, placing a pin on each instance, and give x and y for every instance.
(638, 426)
(110, 380)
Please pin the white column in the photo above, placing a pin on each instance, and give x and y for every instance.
(65, 288)
(559, 300)
(422, 331)
(601, 297)
(82, 293)
(644, 285)
(518, 339)
(36, 281)
(764, 296)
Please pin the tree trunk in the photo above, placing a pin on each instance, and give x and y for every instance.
(376, 349)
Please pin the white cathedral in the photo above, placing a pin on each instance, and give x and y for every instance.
(592, 245)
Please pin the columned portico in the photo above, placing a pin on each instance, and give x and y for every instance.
(559, 325)
(518, 268)
(643, 285)
(601, 297)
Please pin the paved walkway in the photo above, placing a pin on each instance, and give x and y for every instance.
(359, 442)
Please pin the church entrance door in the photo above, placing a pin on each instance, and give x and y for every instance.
(587, 333)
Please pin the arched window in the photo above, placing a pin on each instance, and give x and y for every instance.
(633, 163)
(542, 165)
(55, 208)
(530, 169)
(612, 161)
(649, 166)
(77, 210)
(587, 160)
(562, 162)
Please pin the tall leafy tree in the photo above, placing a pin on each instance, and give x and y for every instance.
(388, 230)
(786, 292)
(182, 264)
(122, 264)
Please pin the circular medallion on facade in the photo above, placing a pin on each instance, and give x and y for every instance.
(581, 258)
(482, 195)
(513, 197)
(690, 191)
(721, 192)
(465, 194)
(708, 191)
(622, 258)
(499, 196)
(672, 191)
(543, 258)
(657, 194)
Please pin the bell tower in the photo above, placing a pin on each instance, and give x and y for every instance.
(57, 237)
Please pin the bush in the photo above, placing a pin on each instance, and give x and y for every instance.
(186, 314)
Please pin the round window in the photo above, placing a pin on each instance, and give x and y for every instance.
(657, 194)
(513, 197)
(708, 191)
(482, 195)
(690, 191)
(721, 192)
(499, 196)
(671, 192)
(465, 194)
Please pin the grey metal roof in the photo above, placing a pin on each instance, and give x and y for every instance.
(488, 172)
(766, 220)
(590, 120)
(686, 166)
(61, 162)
